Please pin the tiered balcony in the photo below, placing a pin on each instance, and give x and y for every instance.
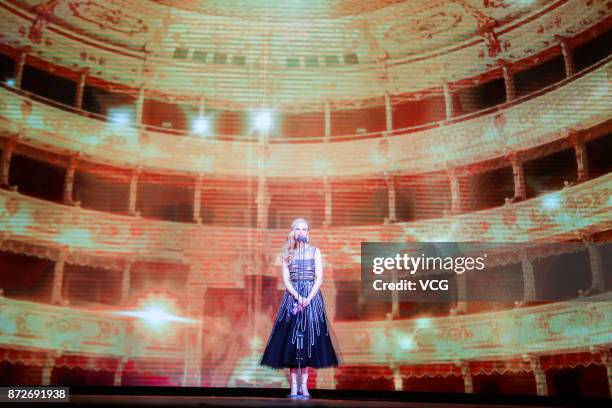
(135, 56)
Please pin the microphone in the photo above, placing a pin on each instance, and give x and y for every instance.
(301, 239)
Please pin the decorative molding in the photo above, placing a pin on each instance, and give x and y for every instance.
(538, 331)
(526, 125)
(429, 50)
(91, 236)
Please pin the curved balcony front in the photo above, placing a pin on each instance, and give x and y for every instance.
(234, 85)
(101, 237)
(537, 330)
(579, 104)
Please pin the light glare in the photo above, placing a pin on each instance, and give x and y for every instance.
(201, 126)
(551, 202)
(120, 116)
(263, 120)
(406, 343)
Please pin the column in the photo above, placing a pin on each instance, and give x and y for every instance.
(119, 371)
(78, 103)
(125, 281)
(327, 121)
(192, 368)
(328, 201)
(395, 312)
(196, 295)
(582, 163)
(388, 114)
(58, 277)
(391, 197)
(133, 191)
(263, 202)
(468, 384)
(518, 175)
(455, 192)
(7, 154)
(197, 199)
(539, 374)
(18, 72)
(529, 289)
(202, 107)
(48, 368)
(461, 306)
(568, 58)
(509, 83)
(597, 278)
(69, 179)
(397, 377)
(140, 105)
(262, 198)
(448, 100)
(606, 359)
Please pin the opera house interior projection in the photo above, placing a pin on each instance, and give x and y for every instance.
(307, 199)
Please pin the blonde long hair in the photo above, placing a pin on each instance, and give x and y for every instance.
(291, 244)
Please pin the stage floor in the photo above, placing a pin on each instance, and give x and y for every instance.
(216, 401)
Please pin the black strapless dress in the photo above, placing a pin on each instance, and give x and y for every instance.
(317, 349)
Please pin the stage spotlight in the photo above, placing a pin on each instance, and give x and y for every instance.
(551, 202)
(155, 316)
(406, 342)
(120, 116)
(263, 120)
(156, 313)
(11, 82)
(201, 126)
(423, 323)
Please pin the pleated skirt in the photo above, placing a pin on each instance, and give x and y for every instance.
(305, 335)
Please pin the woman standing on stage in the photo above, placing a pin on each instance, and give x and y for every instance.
(301, 313)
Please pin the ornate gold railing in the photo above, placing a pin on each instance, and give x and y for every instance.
(579, 104)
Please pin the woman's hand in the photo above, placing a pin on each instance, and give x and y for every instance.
(305, 302)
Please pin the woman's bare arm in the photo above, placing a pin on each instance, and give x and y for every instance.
(287, 281)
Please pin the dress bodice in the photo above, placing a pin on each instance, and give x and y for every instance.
(302, 266)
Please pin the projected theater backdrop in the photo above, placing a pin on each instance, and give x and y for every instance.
(154, 154)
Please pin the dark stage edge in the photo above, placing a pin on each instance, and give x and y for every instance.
(258, 397)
